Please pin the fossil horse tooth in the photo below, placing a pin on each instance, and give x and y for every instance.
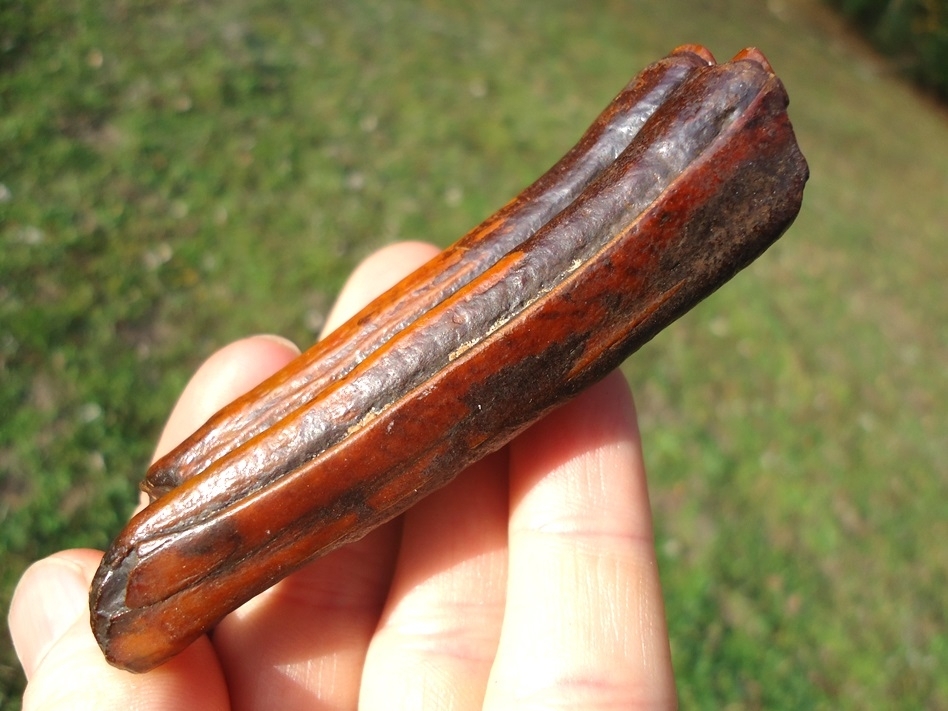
(689, 175)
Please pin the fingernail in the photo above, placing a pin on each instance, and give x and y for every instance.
(50, 596)
(280, 340)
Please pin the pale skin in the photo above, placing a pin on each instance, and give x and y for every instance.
(530, 582)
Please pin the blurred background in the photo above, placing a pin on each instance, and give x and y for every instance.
(175, 175)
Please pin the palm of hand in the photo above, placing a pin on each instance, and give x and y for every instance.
(530, 581)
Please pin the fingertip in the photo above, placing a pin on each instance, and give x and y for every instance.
(225, 375)
(75, 674)
(283, 345)
(50, 596)
(49, 624)
(374, 275)
(387, 265)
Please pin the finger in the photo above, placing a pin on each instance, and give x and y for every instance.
(49, 616)
(49, 623)
(223, 377)
(226, 375)
(438, 634)
(375, 275)
(49, 597)
(585, 625)
(303, 642)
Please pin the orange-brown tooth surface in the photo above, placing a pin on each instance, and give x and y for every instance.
(618, 240)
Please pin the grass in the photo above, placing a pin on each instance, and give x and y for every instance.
(176, 175)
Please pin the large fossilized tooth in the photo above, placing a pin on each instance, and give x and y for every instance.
(710, 179)
(469, 257)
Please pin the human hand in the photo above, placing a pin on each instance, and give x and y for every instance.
(528, 582)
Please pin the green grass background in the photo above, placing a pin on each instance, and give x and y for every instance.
(174, 175)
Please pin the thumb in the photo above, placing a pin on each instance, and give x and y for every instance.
(49, 623)
(52, 594)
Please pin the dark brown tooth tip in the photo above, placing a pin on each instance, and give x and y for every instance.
(697, 49)
(752, 54)
(689, 175)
